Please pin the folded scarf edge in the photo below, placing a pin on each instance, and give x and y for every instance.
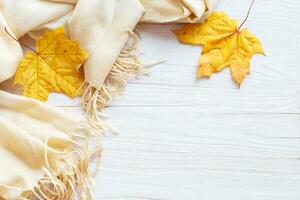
(70, 175)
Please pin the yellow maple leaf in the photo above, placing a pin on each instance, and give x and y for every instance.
(224, 45)
(53, 67)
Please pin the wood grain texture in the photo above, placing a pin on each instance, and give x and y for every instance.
(187, 139)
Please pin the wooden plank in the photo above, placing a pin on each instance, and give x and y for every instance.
(179, 153)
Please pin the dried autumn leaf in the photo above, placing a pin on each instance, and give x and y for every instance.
(53, 67)
(224, 45)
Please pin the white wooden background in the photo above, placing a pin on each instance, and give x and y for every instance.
(187, 139)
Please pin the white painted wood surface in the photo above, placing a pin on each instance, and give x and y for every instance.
(187, 139)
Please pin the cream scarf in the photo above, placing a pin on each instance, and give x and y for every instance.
(43, 153)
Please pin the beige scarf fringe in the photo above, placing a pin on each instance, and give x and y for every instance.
(127, 66)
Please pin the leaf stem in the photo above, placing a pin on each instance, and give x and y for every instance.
(248, 13)
(20, 42)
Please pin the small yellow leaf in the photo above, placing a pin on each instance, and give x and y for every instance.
(52, 68)
(224, 45)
